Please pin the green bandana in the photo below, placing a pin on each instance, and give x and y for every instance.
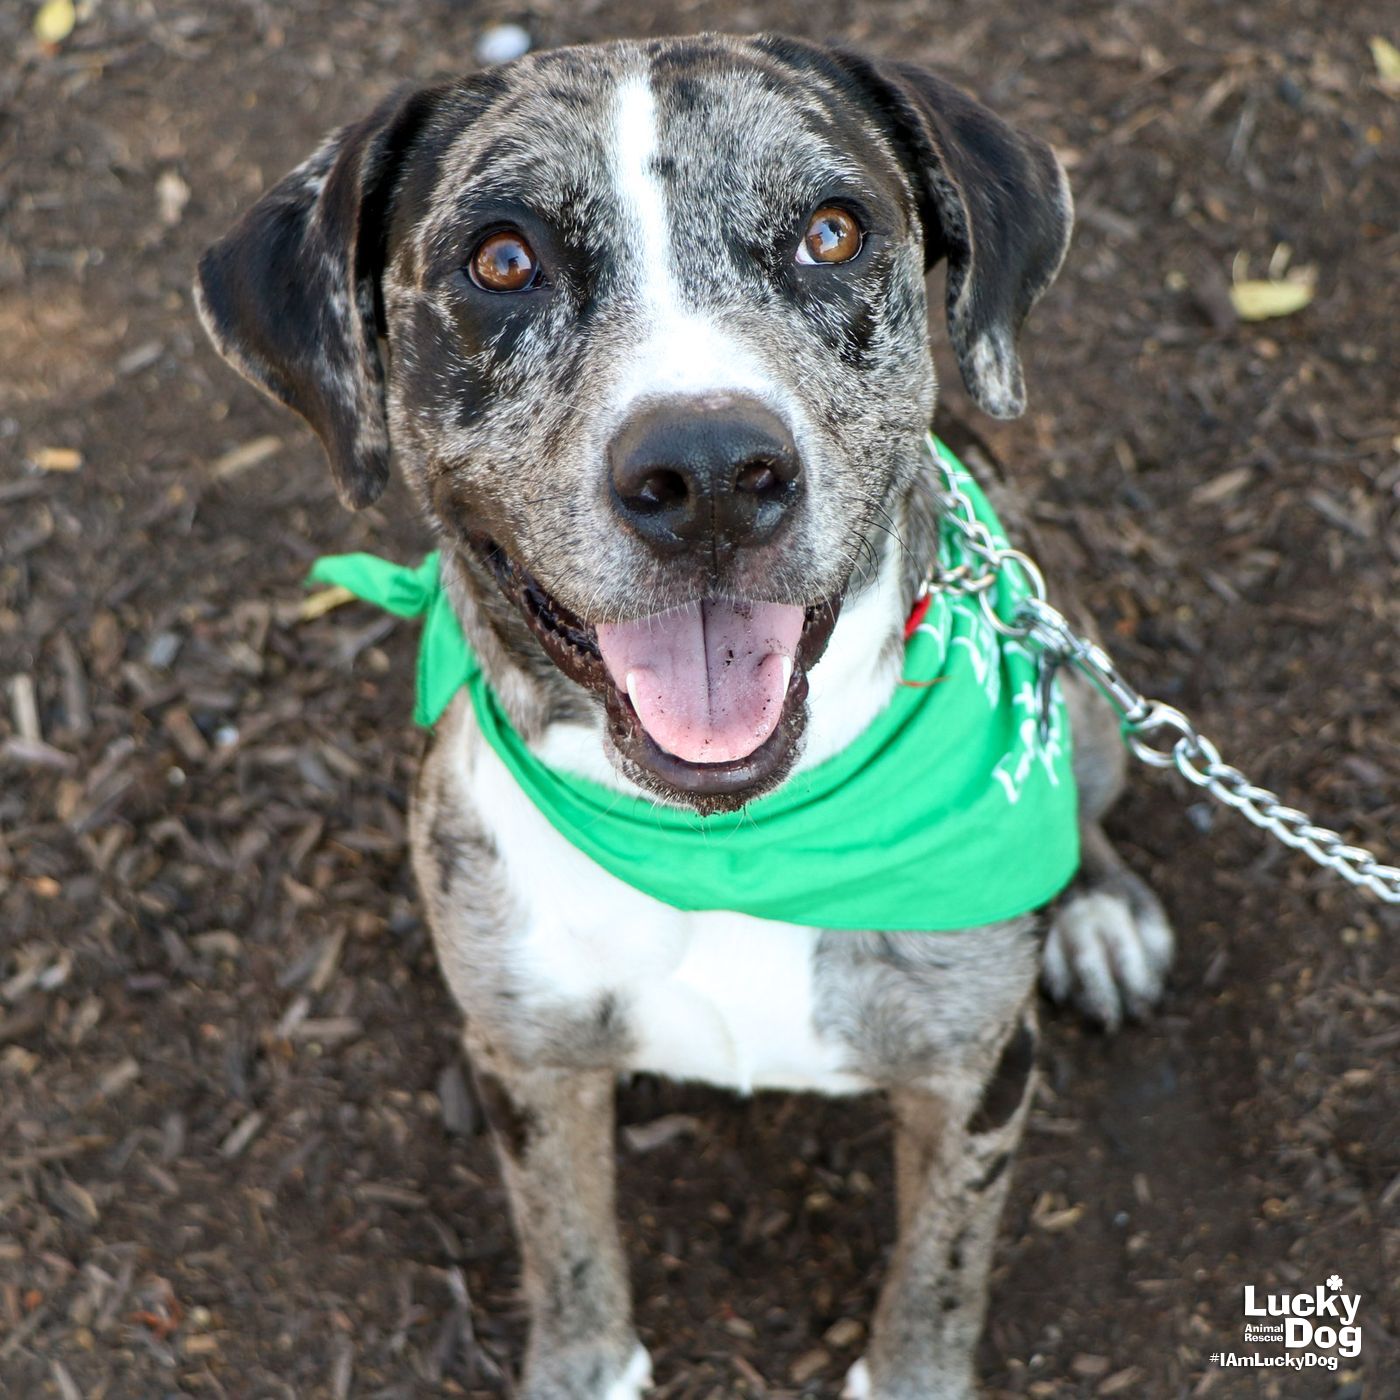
(947, 812)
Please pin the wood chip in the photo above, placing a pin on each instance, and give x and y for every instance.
(56, 1152)
(383, 1193)
(76, 1202)
(297, 1011)
(329, 1030)
(193, 746)
(57, 459)
(647, 1137)
(342, 1367)
(1054, 1221)
(751, 1374)
(843, 1333)
(237, 1141)
(142, 357)
(1222, 487)
(23, 1022)
(172, 194)
(1386, 57)
(77, 717)
(327, 960)
(24, 706)
(809, 1365)
(67, 1387)
(38, 755)
(460, 1114)
(218, 943)
(123, 1073)
(241, 458)
(1121, 1382)
(1260, 300)
(317, 604)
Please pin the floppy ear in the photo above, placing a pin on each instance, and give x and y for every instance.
(290, 295)
(994, 202)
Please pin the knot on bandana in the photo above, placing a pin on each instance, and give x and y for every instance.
(445, 662)
(954, 808)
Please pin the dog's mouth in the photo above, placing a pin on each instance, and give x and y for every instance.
(705, 702)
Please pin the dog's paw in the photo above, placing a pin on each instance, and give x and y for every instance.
(857, 1385)
(918, 1383)
(1109, 954)
(582, 1374)
(634, 1381)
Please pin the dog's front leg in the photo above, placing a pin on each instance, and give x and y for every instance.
(951, 1174)
(553, 1130)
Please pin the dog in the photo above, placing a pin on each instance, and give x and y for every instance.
(645, 328)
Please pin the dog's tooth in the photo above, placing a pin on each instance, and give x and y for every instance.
(787, 672)
(632, 690)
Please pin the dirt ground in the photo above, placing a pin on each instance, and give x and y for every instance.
(237, 1155)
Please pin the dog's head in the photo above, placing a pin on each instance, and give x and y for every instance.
(645, 325)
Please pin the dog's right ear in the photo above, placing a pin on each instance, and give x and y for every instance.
(290, 295)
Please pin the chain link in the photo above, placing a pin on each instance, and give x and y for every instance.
(1157, 734)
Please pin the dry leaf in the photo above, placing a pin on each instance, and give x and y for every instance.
(318, 604)
(58, 459)
(1263, 300)
(1387, 60)
(55, 21)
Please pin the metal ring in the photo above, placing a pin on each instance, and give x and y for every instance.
(1014, 628)
(1018, 625)
(1035, 580)
(1195, 748)
(1158, 717)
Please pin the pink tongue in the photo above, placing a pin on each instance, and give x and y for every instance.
(707, 680)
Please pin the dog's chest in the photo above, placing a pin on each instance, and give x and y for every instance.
(714, 996)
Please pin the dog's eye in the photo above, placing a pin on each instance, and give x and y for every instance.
(504, 262)
(833, 236)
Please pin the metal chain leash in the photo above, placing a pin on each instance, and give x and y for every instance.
(1143, 720)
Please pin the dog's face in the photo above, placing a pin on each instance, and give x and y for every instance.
(656, 350)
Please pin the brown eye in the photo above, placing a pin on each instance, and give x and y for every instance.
(504, 262)
(832, 236)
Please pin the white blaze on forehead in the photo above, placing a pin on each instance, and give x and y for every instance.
(642, 196)
(679, 350)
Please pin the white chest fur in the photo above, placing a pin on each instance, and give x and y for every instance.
(720, 997)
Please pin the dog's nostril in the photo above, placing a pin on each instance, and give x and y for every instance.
(758, 478)
(660, 490)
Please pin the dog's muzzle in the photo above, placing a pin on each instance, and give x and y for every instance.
(705, 697)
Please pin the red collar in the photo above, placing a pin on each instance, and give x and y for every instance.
(917, 614)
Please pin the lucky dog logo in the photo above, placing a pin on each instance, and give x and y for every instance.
(1321, 1322)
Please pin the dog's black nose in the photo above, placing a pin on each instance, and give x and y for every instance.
(718, 472)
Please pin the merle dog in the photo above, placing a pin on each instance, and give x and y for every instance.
(645, 327)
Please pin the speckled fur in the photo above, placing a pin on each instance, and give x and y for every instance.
(499, 415)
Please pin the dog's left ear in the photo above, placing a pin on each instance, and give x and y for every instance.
(290, 295)
(994, 202)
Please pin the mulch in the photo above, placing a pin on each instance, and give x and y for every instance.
(238, 1154)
